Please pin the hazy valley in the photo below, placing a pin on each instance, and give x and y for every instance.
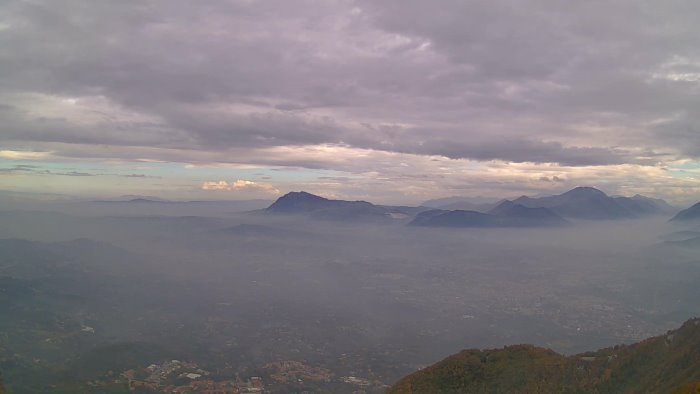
(351, 294)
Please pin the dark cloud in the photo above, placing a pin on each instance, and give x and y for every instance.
(584, 83)
(523, 150)
(681, 132)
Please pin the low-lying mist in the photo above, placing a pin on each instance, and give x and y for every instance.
(245, 289)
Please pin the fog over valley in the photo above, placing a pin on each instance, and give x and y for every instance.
(353, 295)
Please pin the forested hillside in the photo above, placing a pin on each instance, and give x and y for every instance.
(666, 363)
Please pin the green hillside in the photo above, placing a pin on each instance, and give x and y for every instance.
(663, 364)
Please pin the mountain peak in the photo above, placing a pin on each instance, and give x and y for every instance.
(318, 207)
(297, 201)
(503, 207)
(301, 195)
(590, 203)
(585, 191)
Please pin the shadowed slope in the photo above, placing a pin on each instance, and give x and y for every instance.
(658, 364)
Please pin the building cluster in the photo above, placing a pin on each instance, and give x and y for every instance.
(178, 377)
(296, 371)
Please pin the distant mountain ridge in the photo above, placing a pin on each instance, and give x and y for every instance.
(651, 204)
(516, 214)
(479, 204)
(578, 203)
(318, 207)
(441, 202)
(506, 214)
(666, 363)
(593, 204)
(297, 202)
(456, 218)
(692, 213)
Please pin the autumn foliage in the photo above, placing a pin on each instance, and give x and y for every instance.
(667, 363)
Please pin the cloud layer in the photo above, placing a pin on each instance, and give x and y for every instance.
(378, 84)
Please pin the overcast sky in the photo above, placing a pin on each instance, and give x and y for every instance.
(391, 101)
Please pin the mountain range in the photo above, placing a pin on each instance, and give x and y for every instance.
(593, 204)
(479, 204)
(692, 213)
(506, 214)
(318, 207)
(579, 203)
(667, 363)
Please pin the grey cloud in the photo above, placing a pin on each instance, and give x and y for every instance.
(222, 76)
(681, 132)
(530, 151)
(254, 130)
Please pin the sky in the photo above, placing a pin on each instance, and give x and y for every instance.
(393, 101)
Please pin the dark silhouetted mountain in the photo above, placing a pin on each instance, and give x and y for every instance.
(643, 206)
(591, 203)
(516, 215)
(506, 206)
(506, 214)
(581, 202)
(299, 202)
(692, 213)
(655, 204)
(424, 218)
(479, 204)
(458, 218)
(660, 364)
(322, 208)
(470, 206)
